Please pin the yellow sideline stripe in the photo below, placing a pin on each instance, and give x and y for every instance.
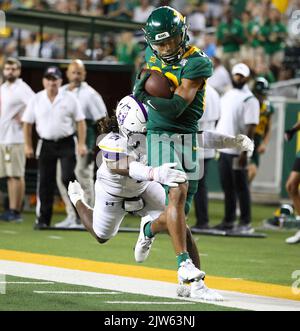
(221, 283)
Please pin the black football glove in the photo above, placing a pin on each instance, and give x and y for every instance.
(138, 90)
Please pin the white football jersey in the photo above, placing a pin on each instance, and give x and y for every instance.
(114, 149)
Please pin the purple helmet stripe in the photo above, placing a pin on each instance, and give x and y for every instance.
(141, 106)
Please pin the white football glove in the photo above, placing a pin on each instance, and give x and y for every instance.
(244, 143)
(75, 192)
(165, 174)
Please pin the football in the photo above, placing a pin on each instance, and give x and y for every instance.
(158, 85)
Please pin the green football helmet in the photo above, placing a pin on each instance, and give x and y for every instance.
(261, 86)
(166, 34)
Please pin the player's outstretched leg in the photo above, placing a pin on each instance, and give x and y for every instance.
(145, 240)
(84, 211)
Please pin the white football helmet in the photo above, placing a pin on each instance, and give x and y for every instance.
(132, 116)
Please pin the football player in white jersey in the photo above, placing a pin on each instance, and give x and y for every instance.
(126, 184)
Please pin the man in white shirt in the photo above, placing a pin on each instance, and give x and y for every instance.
(239, 115)
(15, 95)
(94, 109)
(220, 79)
(54, 113)
(207, 123)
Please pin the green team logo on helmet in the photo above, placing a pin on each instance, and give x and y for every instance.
(166, 34)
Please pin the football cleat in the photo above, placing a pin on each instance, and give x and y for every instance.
(143, 245)
(200, 291)
(75, 192)
(294, 239)
(187, 272)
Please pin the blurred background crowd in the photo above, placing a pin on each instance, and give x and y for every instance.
(260, 33)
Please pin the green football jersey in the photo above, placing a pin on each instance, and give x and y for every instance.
(194, 64)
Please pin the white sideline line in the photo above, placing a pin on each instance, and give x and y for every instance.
(9, 232)
(33, 283)
(74, 292)
(55, 237)
(140, 286)
(150, 302)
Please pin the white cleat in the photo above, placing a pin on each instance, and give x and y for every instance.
(294, 239)
(143, 244)
(200, 291)
(68, 222)
(187, 272)
(75, 192)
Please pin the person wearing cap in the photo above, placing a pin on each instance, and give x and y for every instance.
(94, 109)
(14, 97)
(262, 133)
(54, 113)
(239, 115)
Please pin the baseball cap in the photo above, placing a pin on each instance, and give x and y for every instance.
(53, 72)
(241, 69)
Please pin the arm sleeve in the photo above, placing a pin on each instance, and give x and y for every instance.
(171, 108)
(97, 106)
(27, 94)
(29, 115)
(78, 113)
(251, 111)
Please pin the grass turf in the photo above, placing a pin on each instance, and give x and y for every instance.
(264, 260)
(21, 297)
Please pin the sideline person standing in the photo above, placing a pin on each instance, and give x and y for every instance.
(14, 97)
(54, 113)
(94, 109)
(239, 115)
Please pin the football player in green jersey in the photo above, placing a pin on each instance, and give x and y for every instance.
(173, 123)
(262, 133)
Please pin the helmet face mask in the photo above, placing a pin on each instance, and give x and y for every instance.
(166, 34)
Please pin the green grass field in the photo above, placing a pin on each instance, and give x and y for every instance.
(267, 260)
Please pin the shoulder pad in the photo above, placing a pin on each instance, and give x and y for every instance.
(113, 146)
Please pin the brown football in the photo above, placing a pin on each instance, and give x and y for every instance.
(158, 85)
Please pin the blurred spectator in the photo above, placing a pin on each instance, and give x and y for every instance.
(210, 46)
(220, 79)
(196, 18)
(230, 36)
(127, 49)
(261, 69)
(32, 46)
(120, 9)
(273, 34)
(142, 12)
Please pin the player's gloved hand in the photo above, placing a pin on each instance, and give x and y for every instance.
(165, 174)
(288, 134)
(75, 192)
(139, 91)
(244, 143)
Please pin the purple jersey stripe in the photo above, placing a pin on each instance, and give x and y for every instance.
(113, 155)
